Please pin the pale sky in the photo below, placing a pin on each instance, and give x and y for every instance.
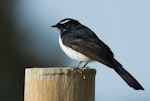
(124, 25)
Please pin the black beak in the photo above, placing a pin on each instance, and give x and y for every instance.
(54, 26)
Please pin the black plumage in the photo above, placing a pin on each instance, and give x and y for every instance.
(81, 39)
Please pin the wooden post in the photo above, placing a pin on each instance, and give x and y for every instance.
(59, 84)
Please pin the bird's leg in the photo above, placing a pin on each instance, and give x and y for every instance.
(83, 72)
(79, 64)
(77, 68)
(85, 64)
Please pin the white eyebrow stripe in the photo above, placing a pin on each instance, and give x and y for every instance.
(65, 21)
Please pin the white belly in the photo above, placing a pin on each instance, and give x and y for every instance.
(73, 54)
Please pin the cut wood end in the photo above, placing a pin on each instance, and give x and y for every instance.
(51, 71)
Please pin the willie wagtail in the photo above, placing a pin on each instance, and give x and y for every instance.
(81, 44)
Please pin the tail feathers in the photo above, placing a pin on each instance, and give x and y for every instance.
(126, 76)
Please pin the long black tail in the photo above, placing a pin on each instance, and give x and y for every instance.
(126, 76)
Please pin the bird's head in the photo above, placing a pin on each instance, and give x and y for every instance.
(66, 24)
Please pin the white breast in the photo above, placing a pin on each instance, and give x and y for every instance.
(73, 54)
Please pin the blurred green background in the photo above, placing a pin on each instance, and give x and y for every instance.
(11, 63)
(21, 46)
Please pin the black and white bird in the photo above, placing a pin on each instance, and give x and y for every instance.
(82, 44)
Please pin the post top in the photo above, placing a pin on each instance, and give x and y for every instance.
(61, 70)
